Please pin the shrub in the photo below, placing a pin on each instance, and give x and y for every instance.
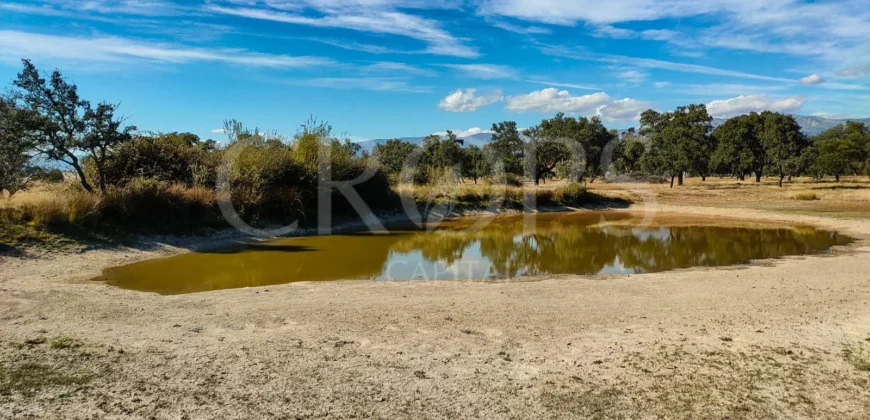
(513, 180)
(51, 176)
(573, 194)
(174, 158)
(154, 206)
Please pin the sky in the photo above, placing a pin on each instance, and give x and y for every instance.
(396, 68)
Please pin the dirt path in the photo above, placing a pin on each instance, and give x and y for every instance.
(762, 341)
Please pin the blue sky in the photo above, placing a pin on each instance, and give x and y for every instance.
(387, 68)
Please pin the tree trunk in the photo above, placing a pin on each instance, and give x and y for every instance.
(680, 178)
(741, 177)
(102, 181)
(781, 177)
(672, 181)
(82, 177)
(757, 178)
(837, 178)
(789, 178)
(537, 180)
(703, 178)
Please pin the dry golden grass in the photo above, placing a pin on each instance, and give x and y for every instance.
(805, 196)
(849, 197)
(36, 194)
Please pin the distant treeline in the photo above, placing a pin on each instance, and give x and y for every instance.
(673, 144)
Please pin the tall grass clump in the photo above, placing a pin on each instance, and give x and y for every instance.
(806, 196)
(142, 206)
(148, 205)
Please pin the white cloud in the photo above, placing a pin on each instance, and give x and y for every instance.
(834, 31)
(465, 133)
(622, 110)
(524, 30)
(682, 67)
(468, 100)
(380, 84)
(219, 131)
(813, 79)
(551, 100)
(402, 68)
(570, 12)
(608, 31)
(104, 7)
(707, 90)
(855, 71)
(745, 104)
(632, 76)
(14, 45)
(650, 63)
(484, 71)
(372, 17)
(564, 85)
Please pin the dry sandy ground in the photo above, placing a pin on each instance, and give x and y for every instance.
(777, 340)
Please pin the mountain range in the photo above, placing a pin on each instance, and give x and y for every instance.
(810, 125)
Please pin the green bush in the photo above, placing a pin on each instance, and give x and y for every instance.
(573, 194)
(174, 158)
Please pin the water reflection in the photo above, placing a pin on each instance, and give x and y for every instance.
(575, 243)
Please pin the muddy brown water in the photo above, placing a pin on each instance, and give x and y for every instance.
(503, 247)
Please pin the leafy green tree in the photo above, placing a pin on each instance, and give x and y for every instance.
(680, 141)
(548, 153)
(393, 155)
(739, 150)
(103, 133)
(443, 153)
(507, 147)
(475, 165)
(589, 133)
(15, 168)
(867, 161)
(628, 152)
(783, 144)
(841, 150)
(60, 124)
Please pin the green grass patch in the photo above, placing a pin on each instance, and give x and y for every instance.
(61, 343)
(30, 378)
(858, 358)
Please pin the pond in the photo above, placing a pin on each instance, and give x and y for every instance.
(503, 247)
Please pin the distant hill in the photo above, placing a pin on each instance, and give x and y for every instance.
(810, 125)
(478, 140)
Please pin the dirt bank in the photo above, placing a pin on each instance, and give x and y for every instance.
(781, 339)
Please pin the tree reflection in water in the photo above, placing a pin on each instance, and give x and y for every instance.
(573, 243)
